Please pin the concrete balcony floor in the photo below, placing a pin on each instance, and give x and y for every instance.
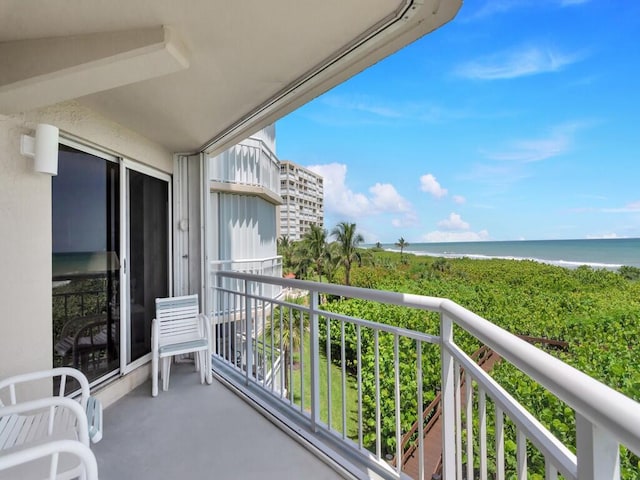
(198, 431)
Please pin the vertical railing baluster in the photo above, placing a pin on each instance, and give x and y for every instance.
(458, 413)
(521, 455)
(376, 354)
(343, 362)
(359, 381)
(254, 331)
(232, 313)
(272, 347)
(597, 450)
(290, 355)
(215, 312)
(499, 425)
(301, 325)
(328, 360)
(550, 472)
(447, 399)
(482, 432)
(396, 381)
(420, 411)
(263, 368)
(468, 389)
(248, 332)
(314, 355)
(283, 363)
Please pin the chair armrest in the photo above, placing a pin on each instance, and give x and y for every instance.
(84, 454)
(11, 382)
(22, 410)
(206, 325)
(94, 419)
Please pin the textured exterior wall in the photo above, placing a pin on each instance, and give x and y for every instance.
(25, 223)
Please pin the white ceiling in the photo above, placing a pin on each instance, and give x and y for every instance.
(222, 70)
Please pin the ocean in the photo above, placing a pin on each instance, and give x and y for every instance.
(609, 254)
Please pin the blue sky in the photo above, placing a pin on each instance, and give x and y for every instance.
(520, 119)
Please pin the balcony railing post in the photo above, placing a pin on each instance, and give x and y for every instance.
(597, 452)
(314, 353)
(248, 332)
(448, 399)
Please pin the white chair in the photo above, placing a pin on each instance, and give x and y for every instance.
(179, 328)
(69, 459)
(91, 406)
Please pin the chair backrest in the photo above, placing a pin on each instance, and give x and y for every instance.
(178, 319)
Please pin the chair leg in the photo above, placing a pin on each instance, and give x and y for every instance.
(207, 366)
(166, 371)
(200, 359)
(154, 376)
(196, 361)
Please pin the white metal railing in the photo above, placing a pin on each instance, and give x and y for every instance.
(373, 423)
(270, 266)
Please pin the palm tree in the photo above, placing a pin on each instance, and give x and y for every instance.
(285, 248)
(332, 261)
(402, 244)
(316, 243)
(348, 241)
(291, 335)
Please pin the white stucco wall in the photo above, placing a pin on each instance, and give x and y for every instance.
(25, 225)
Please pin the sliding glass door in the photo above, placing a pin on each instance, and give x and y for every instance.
(148, 253)
(110, 260)
(86, 263)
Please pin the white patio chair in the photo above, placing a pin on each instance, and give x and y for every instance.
(69, 459)
(90, 405)
(179, 328)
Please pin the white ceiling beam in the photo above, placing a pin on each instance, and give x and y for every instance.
(41, 72)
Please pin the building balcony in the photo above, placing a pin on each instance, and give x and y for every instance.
(382, 401)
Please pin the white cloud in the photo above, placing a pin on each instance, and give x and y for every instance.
(439, 236)
(385, 198)
(409, 219)
(454, 222)
(522, 62)
(633, 207)
(604, 236)
(559, 141)
(459, 199)
(362, 103)
(339, 198)
(429, 184)
(495, 7)
(342, 201)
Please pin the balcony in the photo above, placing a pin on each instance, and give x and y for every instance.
(195, 431)
(343, 391)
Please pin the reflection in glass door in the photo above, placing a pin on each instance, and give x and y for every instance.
(148, 240)
(86, 263)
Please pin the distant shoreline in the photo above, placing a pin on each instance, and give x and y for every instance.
(608, 254)
(558, 263)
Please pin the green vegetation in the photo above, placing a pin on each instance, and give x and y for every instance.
(336, 391)
(597, 312)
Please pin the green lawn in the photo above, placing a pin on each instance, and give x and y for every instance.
(336, 392)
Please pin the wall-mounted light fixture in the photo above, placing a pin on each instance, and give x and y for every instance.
(43, 148)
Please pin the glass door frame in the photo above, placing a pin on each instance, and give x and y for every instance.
(125, 277)
(104, 155)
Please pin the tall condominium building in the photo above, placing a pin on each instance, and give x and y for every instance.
(302, 193)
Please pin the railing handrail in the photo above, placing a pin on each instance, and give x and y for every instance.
(600, 404)
(246, 260)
